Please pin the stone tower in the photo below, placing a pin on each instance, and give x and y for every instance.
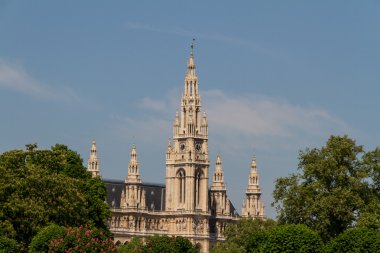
(220, 204)
(253, 205)
(93, 161)
(133, 197)
(187, 157)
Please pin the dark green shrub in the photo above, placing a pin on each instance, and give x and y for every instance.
(41, 241)
(135, 245)
(292, 238)
(8, 245)
(361, 240)
(166, 244)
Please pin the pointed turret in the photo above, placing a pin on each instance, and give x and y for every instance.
(176, 124)
(169, 151)
(134, 195)
(93, 161)
(253, 179)
(218, 179)
(204, 126)
(133, 168)
(253, 205)
(220, 204)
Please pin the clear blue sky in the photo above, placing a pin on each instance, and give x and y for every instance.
(275, 77)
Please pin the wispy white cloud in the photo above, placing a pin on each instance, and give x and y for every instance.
(241, 121)
(167, 101)
(193, 34)
(263, 122)
(14, 77)
(265, 116)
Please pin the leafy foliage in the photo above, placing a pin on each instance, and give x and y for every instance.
(166, 244)
(83, 239)
(135, 245)
(336, 187)
(292, 238)
(41, 241)
(245, 235)
(8, 245)
(230, 247)
(40, 187)
(158, 244)
(364, 240)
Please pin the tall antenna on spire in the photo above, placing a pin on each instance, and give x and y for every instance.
(192, 48)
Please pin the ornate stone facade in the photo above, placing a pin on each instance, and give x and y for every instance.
(185, 205)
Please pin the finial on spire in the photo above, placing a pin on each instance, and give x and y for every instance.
(192, 48)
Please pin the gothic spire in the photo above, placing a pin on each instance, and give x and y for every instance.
(93, 161)
(253, 205)
(218, 178)
(133, 168)
(253, 178)
(190, 74)
(191, 64)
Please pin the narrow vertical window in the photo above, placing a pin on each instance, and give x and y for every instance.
(198, 187)
(182, 186)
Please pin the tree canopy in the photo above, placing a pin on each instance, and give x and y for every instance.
(336, 187)
(158, 244)
(292, 238)
(363, 240)
(259, 236)
(245, 235)
(39, 187)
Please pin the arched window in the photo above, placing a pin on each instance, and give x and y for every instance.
(198, 178)
(182, 185)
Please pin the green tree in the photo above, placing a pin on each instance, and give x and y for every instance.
(166, 244)
(135, 245)
(83, 239)
(8, 245)
(41, 241)
(292, 238)
(230, 247)
(245, 235)
(363, 240)
(39, 187)
(336, 186)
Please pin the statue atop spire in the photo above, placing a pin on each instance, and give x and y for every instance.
(93, 161)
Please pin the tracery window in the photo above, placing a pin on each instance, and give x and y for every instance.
(198, 178)
(182, 185)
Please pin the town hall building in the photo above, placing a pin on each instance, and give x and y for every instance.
(185, 205)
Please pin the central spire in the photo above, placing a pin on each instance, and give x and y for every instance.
(191, 101)
(191, 64)
(187, 156)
